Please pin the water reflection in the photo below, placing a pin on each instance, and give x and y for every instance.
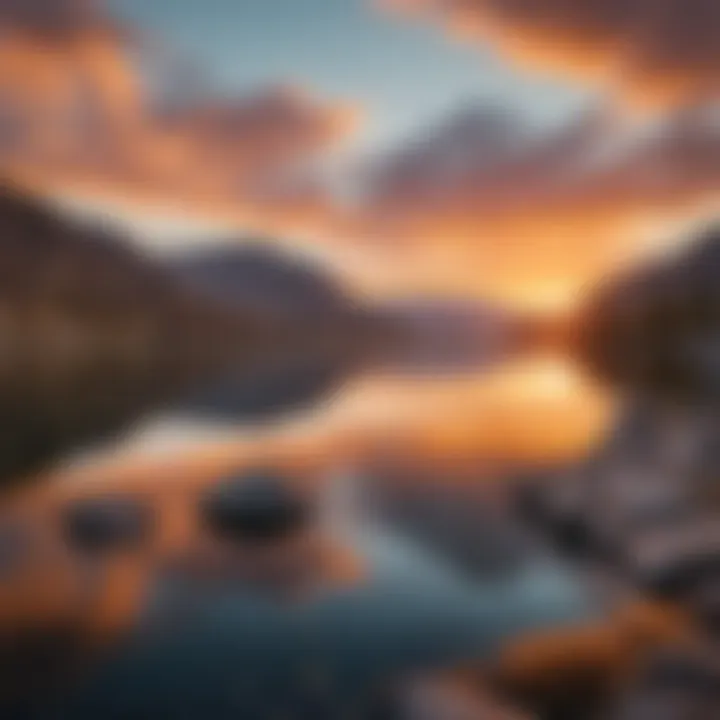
(533, 410)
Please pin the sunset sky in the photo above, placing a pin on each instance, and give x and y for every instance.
(467, 147)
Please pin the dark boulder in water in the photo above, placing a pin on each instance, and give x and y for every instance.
(255, 506)
(107, 524)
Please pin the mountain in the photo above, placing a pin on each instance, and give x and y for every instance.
(424, 335)
(654, 329)
(431, 335)
(259, 276)
(98, 336)
(409, 335)
(320, 336)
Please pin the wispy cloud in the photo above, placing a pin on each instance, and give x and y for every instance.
(663, 51)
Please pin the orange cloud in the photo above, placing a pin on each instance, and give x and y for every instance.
(659, 50)
(519, 213)
(76, 112)
(483, 204)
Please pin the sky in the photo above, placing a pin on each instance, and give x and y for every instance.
(405, 75)
(518, 151)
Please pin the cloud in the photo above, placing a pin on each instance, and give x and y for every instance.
(59, 63)
(482, 204)
(512, 210)
(57, 18)
(483, 158)
(81, 106)
(260, 150)
(659, 50)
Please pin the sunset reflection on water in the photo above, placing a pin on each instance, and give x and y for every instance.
(536, 410)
